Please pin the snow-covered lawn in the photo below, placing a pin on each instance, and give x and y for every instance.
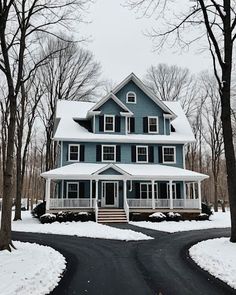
(31, 269)
(217, 256)
(217, 220)
(88, 229)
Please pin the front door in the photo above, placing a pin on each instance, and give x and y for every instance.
(110, 194)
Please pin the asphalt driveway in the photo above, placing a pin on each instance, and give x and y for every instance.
(154, 267)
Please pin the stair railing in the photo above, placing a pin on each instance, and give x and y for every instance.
(126, 208)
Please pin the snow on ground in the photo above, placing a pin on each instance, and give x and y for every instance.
(217, 220)
(31, 269)
(217, 256)
(88, 229)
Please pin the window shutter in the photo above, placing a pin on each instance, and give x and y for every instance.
(101, 123)
(81, 153)
(160, 154)
(98, 153)
(150, 154)
(93, 189)
(145, 124)
(132, 124)
(133, 153)
(137, 189)
(81, 190)
(163, 190)
(117, 123)
(178, 192)
(118, 153)
(68, 151)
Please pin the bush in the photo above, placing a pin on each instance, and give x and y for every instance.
(172, 216)
(39, 210)
(74, 216)
(203, 216)
(48, 218)
(157, 217)
(206, 209)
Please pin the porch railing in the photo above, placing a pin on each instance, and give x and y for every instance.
(71, 203)
(164, 203)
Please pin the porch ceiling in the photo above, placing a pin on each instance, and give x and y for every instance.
(130, 172)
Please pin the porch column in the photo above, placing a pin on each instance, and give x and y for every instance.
(184, 184)
(153, 195)
(47, 193)
(96, 195)
(199, 195)
(194, 191)
(171, 194)
(125, 190)
(91, 194)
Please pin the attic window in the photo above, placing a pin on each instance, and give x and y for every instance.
(131, 97)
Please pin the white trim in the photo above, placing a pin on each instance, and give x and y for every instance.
(135, 97)
(142, 146)
(168, 162)
(69, 146)
(116, 194)
(140, 84)
(128, 125)
(157, 124)
(109, 145)
(94, 123)
(174, 191)
(184, 164)
(112, 166)
(113, 123)
(67, 185)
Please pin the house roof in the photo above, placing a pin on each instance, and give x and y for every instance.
(128, 171)
(69, 130)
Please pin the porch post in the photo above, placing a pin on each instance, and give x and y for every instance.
(199, 195)
(124, 190)
(194, 191)
(91, 194)
(153, 195)
(47, 193)
(96, 195)
(171, 194)
(184, 183)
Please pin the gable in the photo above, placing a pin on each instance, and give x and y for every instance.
(110, 171)
(110, 107)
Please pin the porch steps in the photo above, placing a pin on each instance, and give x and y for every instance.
(111, 216)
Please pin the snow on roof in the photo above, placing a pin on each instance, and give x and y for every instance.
(73, 109)
(69, 130)
(135, 171)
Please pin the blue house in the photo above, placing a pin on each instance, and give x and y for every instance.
(123, 154)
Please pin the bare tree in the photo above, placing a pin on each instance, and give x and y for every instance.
(214, 22)
(22, 25)
(71, 74)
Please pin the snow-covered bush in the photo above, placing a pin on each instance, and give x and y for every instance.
(39, 210)
(48, 218)
(203, 216)
(157, 217)
(63, 216)
(173, 216)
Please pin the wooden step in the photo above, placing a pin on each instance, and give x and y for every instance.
(111, 215)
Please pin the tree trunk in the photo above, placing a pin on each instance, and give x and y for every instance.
(215, 195)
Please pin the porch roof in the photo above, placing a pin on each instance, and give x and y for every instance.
(126, 171)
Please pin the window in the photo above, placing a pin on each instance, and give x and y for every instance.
(108, 153)
(109, 123)
(141, 154)
(174, 192)
(74, 152)
(169, 154)
(131, 97)
(72, 190)
(146, 190)
(153, 125)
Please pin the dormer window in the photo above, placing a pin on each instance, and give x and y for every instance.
(109, 123)
(153, 126)
(131, 97)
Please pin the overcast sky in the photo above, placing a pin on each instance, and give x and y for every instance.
(119, 44)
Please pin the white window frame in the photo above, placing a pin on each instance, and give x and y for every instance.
(109, 145)
(163, 155)
(174, 191)
(128, 124)
(113, 125)
(142, 146)
(148, 185)
(67, 186)
(157, 124)
(78, 159)
(127, 96)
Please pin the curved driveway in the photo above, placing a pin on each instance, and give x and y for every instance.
(154, 267)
